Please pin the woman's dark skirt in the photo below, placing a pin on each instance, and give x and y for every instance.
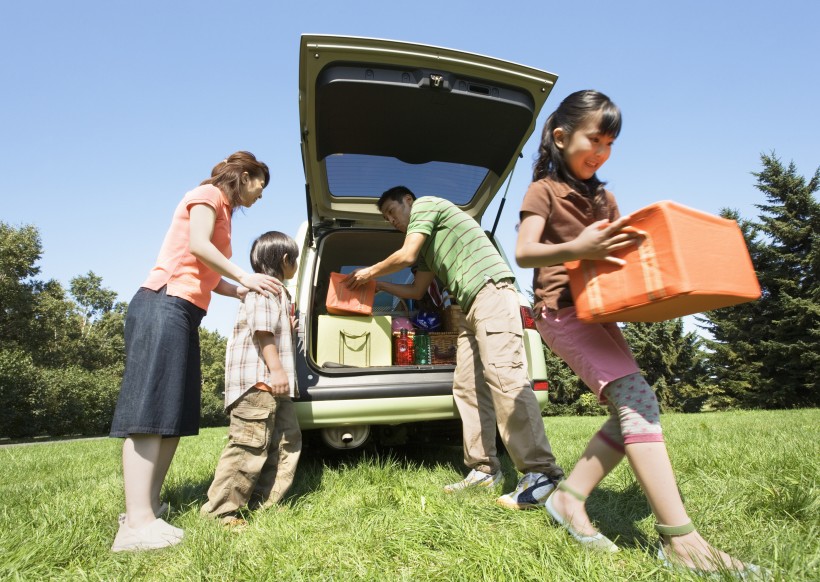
(162, 383)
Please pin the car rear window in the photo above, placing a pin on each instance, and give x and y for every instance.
(359, 175)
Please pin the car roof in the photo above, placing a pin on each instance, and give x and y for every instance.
(378, 113)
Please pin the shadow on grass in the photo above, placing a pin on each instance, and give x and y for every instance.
(617, 512)
(187, 496)
(313, 462)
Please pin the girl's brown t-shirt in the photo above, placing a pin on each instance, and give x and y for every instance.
(567, 213)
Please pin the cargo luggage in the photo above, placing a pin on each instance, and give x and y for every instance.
(342, 300)
(354, 341)
(687, 262)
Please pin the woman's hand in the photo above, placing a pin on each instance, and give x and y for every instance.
(600, 239)
(259, 282)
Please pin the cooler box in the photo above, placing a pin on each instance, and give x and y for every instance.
(354, 340)
(687, 262)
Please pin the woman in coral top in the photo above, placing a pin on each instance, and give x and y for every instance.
(160, 396)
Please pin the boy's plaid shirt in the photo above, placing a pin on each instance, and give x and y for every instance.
(244, 365)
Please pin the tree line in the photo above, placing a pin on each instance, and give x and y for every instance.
(62, 351)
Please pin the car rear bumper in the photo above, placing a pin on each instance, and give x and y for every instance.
(381, 411)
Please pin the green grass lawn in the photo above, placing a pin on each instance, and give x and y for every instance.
(749, 480)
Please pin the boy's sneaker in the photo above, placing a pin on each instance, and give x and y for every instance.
(532, 491)
(475, 479)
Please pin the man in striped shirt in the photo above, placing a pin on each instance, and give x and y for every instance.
(490, 384)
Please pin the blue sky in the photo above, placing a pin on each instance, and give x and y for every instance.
(112, 110)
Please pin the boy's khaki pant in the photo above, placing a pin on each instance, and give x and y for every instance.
(261, 456)
(491, 387)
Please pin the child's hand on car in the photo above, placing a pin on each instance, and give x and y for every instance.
(279, 385)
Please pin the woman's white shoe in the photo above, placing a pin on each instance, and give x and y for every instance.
(157, 534)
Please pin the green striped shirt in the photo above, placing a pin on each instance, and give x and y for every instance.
(457, 249)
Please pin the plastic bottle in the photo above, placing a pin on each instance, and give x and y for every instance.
(421, 347)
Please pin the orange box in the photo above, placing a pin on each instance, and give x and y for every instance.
(687, 262)
(342, 300)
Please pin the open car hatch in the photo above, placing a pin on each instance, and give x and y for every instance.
(378, 113)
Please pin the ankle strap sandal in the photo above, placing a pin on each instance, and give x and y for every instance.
(562, 485)
(681, 530)
(675, 530)
(598, 541)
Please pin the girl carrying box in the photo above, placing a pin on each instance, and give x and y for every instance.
(567, 215)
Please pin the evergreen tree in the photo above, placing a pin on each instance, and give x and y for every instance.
(672, 362)
(565, 388)
(767, 353)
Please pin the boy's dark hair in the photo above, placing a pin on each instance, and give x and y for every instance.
(571, 113)
(396, 193)
(268, 253)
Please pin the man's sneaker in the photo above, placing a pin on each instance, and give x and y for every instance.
(475, 479)
(532, 491)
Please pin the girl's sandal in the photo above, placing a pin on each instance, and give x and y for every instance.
(749, 572)
(596, 542)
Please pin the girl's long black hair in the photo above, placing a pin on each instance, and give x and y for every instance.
(570, 115)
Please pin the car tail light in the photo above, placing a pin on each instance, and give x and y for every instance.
(527, 319)
(540, 386)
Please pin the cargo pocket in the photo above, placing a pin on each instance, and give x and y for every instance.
(505, 347)
(249, 426)
(509, 375)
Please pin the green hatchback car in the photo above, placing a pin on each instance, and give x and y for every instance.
(377, 113)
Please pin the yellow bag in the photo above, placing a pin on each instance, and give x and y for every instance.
(354, 341)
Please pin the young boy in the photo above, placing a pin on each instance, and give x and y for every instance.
(265, 442)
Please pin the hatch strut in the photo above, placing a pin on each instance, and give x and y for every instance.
(310, 218)
(504, 199)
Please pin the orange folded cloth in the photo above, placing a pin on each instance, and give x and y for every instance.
(342, 300)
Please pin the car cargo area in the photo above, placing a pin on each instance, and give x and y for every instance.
(344, 251)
